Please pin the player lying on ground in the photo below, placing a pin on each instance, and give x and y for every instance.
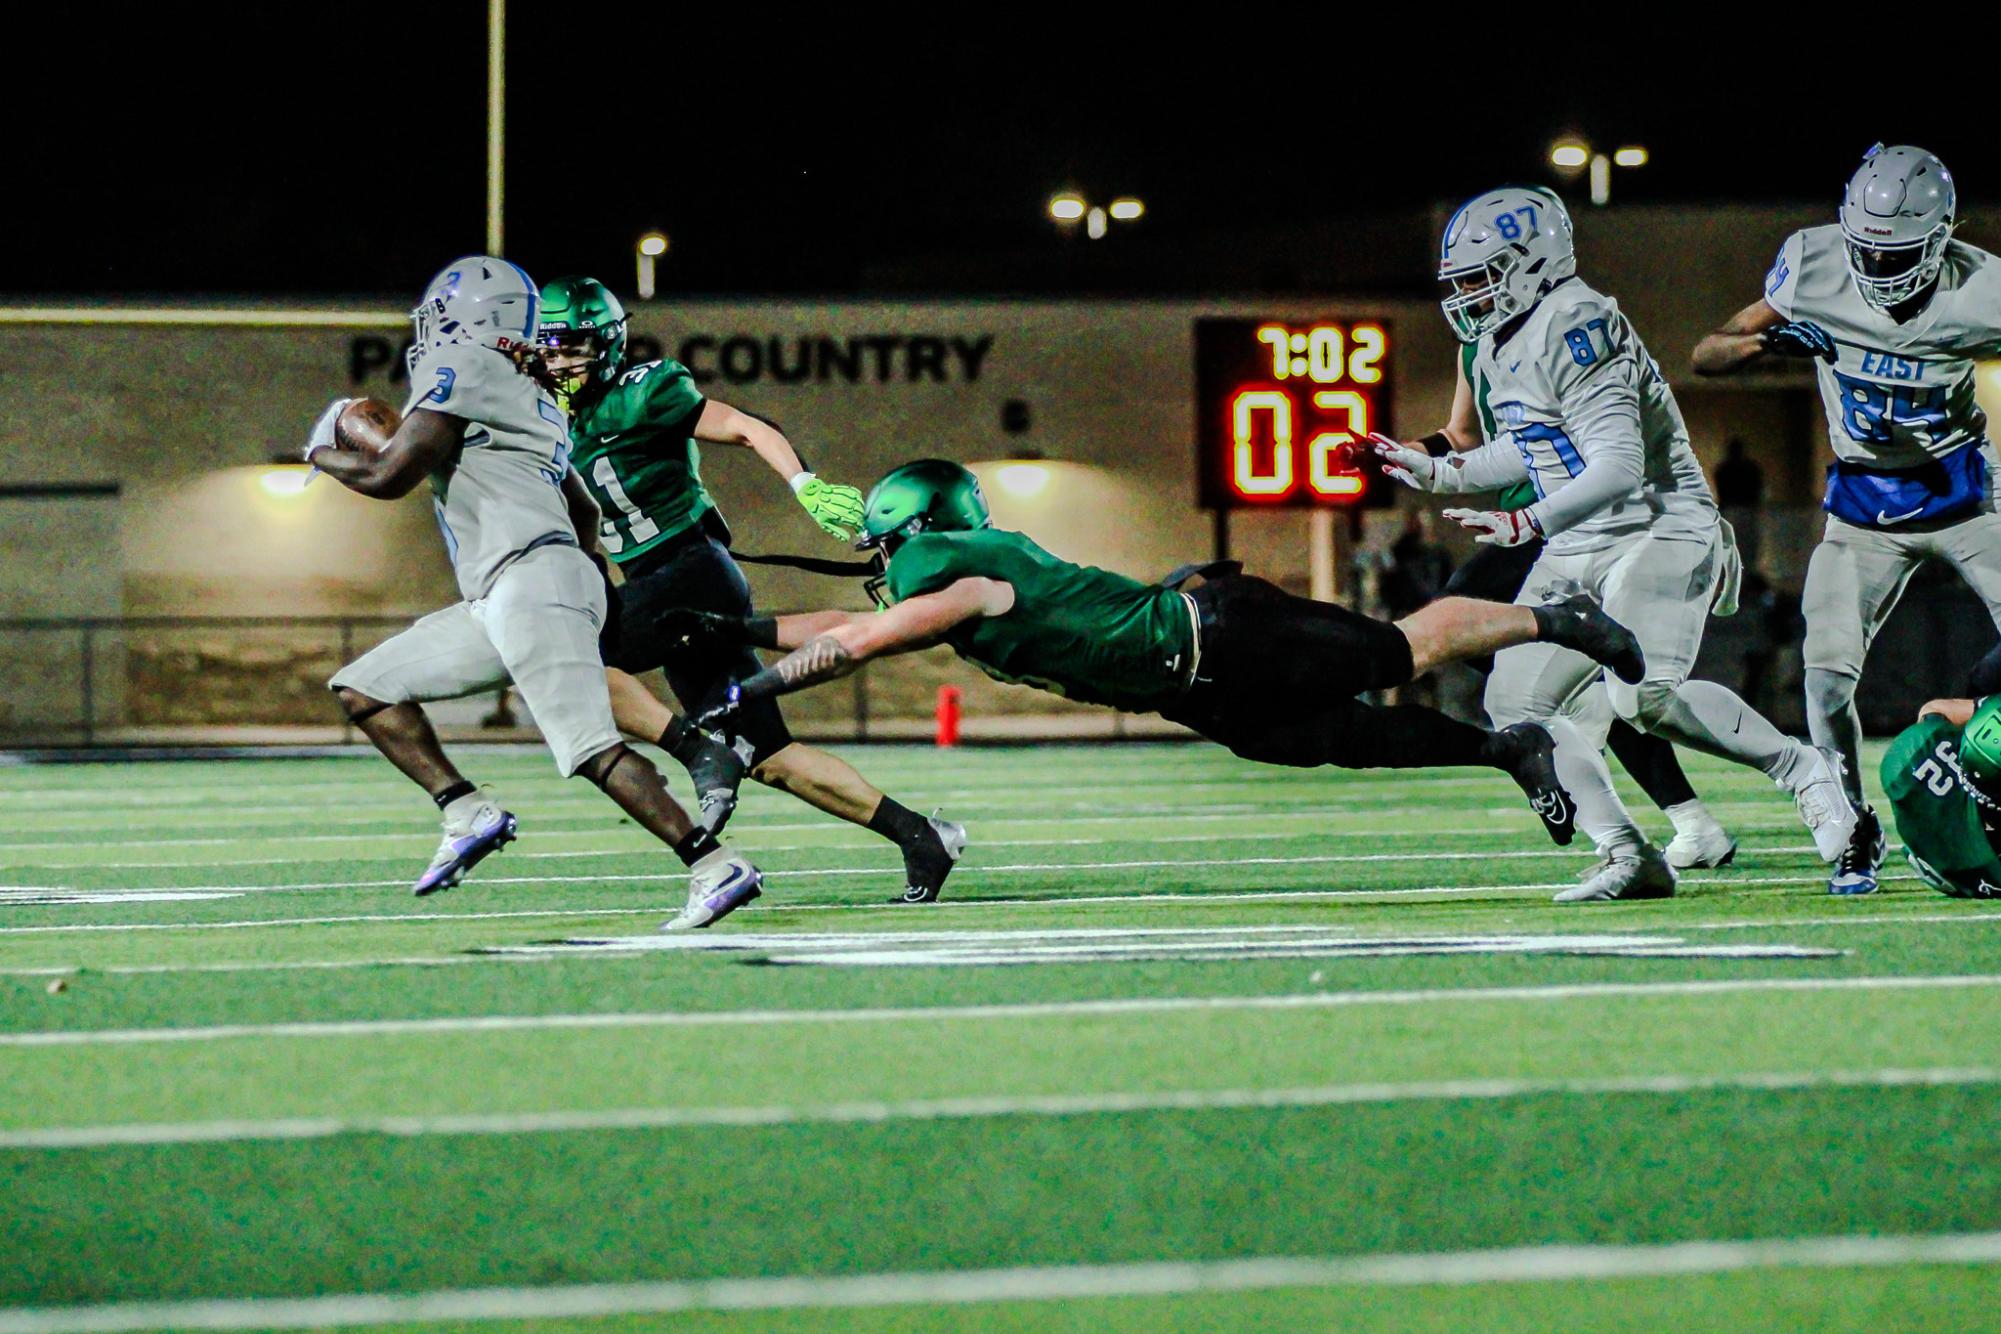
(495, 450)
(1497, 573)
(1584, 414)
(634, 431)
(1943, 778)
(1894, 315)
(1269, 675)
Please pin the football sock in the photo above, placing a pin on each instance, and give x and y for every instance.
(1600, 813)
(1832, 721)
(696, 844)
(453, 793)
(1652, 763)
(898, 823)
(681, 739)
(1710, 718)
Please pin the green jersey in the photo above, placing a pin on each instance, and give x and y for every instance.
(1519, 495)
(1938, 820)
(635, 448)
(1074, 630)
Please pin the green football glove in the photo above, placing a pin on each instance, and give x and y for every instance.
(837, 509)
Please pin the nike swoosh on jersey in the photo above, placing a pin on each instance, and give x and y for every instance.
(1887, 519)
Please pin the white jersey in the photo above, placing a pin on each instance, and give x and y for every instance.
(1589, 419)
(1897, 394)
(501, 494)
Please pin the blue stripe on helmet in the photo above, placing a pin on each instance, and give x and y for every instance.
(534, 296)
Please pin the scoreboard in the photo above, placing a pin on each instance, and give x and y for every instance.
(1276, 404)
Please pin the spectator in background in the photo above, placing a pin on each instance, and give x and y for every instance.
(1740, 494)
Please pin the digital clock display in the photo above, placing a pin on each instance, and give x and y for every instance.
(1277, 403)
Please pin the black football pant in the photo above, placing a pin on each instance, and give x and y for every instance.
(1278, 677)
(691, 570)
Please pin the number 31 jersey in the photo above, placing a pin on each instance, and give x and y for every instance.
(1897, 395)
(635, 448)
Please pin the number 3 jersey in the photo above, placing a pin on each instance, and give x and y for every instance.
(501, 494)
(1897, 395)
(635, 448)
(1936, 817)
(1579, 406)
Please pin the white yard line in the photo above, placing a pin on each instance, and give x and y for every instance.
(969, 1108)
(1004, 868)
(1145, 1005)
(956, 905)
(1162, 1278)
(441, 960)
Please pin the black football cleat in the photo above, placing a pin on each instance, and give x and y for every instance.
(1578, 622)
(1527, 753)
(927, 862)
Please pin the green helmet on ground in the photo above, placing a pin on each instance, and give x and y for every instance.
(928, 496)
(580, 315)
(1980, 750)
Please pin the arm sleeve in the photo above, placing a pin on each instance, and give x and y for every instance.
(1600, 401)
(1492, 466)
(1782, 279)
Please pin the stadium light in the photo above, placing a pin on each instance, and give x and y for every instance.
(1024, 479)
(1567, 155)
(1127, 210)
(1066, 207)
(651, 247)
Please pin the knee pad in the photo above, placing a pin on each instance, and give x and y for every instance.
(1644, 705)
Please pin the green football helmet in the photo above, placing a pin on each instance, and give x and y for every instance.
(928, 496)
(582, 333)
(1980, 753)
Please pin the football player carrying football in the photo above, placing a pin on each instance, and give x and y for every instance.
(496, 451)
(1584, 414)
(1893, 313)
(1269, 675)
(635, 431)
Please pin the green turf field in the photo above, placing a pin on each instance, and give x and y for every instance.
(1193, 1045)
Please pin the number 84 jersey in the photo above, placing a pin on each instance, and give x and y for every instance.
(1572, 387)
(1896, 395)
(1937, 819)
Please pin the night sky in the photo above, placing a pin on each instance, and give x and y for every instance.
(255, 151)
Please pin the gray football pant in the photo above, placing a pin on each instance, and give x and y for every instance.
(1852, 585)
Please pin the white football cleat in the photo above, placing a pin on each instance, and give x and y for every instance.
(1823, 805)
(1632, 874)
(475, 829)
(723, 882)
(1699, 841)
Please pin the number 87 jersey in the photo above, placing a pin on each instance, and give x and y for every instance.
(1897, 395)
(1571, 386)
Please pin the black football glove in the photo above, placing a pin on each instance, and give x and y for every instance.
(690, 627)
(1798, 338)
(718, 717)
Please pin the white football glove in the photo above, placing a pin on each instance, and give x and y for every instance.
(1500, 528)
(1413, 467)
(322, 434)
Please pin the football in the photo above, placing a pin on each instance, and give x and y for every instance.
(366, 425)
